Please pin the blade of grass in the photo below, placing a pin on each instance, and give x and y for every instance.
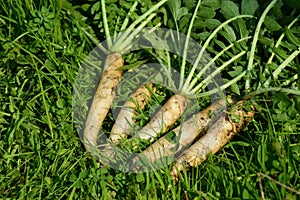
(44, 98)
(33, 58)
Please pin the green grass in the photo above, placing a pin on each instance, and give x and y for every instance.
(42, 156)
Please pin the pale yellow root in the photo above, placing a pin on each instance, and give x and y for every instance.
(183, 136)
(218, 134)
(125, 119)
(103, 98)
(164, 118)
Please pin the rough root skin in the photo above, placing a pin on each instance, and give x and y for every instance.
(103, 98)
(219, 134)
(164, 118)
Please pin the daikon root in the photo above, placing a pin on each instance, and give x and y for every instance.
(103, 98)
(180, 138)
(218, 134)
(164, 118)
(125, 119)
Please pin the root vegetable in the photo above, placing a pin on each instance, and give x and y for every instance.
(182, 137)
(220, 133)
(125, 119)
(103, 98)
(164, 118)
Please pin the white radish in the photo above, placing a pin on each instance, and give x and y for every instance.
(125, 119)
(103, 98)
(219, 134)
